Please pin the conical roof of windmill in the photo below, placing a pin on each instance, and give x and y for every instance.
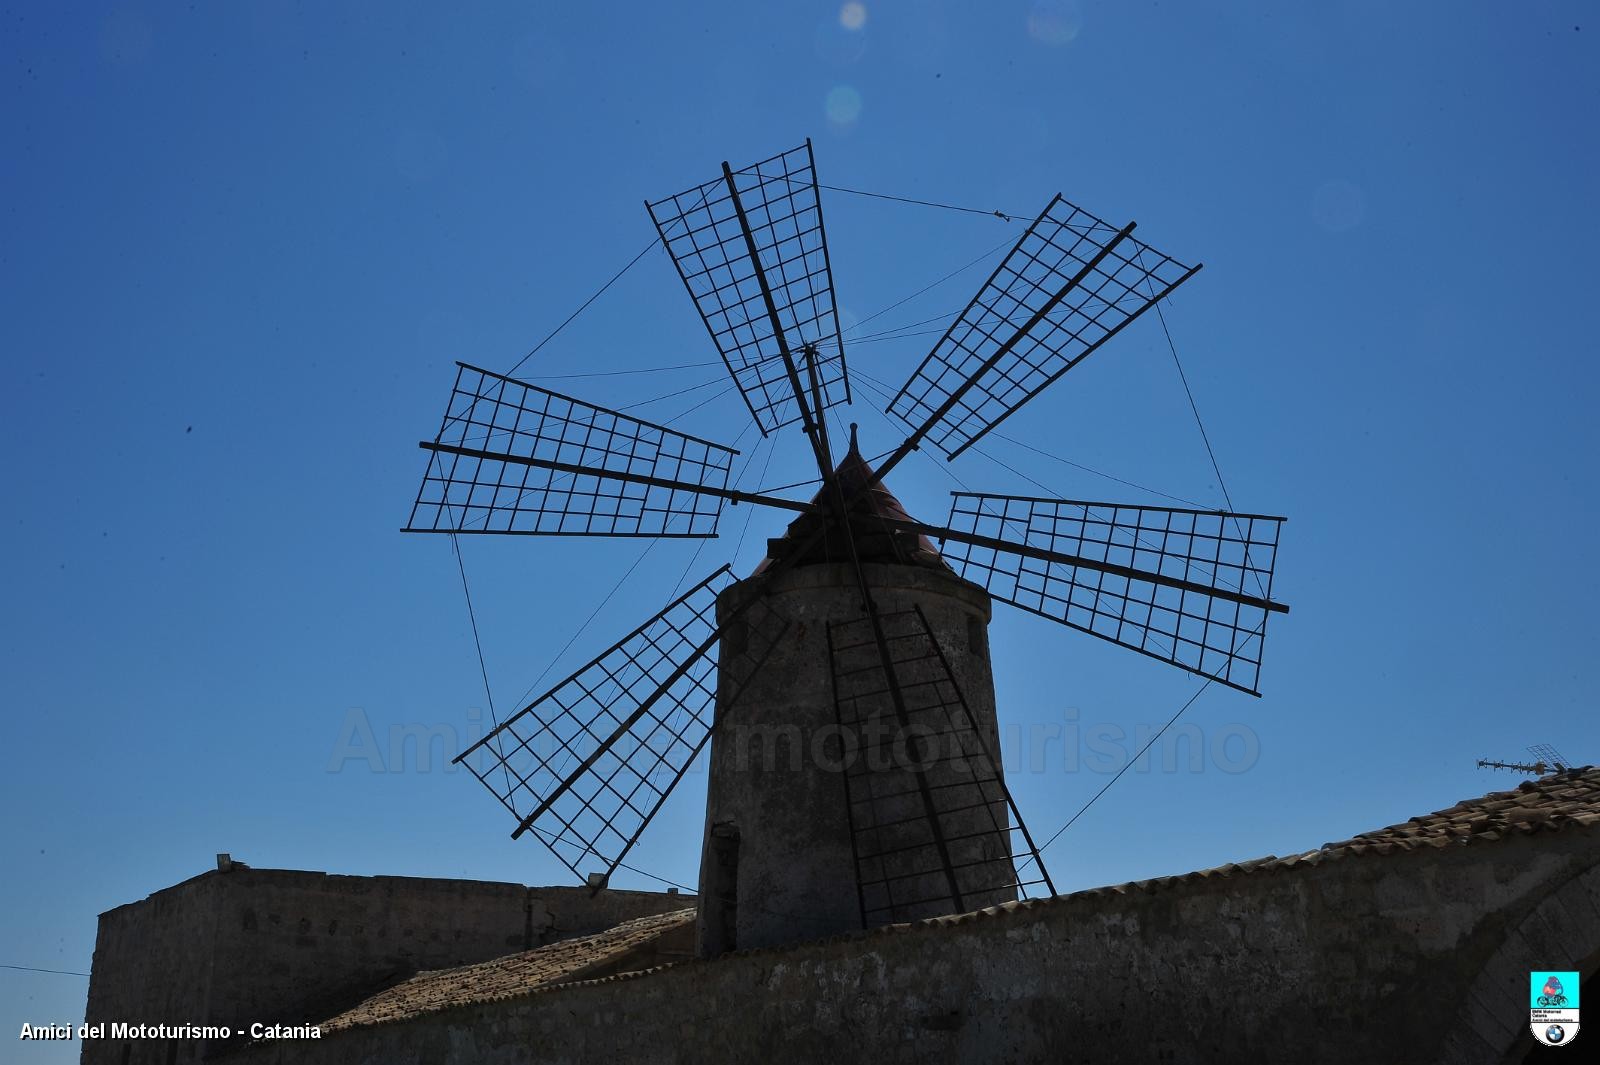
(876, 541)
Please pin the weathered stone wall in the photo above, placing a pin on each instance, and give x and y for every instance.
(775, 767)
(152, 963)
(1369, 958)
(276, 945)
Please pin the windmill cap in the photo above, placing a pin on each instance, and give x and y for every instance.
(874, 542)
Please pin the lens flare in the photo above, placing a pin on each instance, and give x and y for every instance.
(842, 106)
(853, 16)
(1055, 22)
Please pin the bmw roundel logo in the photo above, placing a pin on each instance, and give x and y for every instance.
(1555, 1033)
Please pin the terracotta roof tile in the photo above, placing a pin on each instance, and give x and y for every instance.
(1551, 802)
(507, 977)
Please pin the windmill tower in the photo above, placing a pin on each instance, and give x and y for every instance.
(845, 686)
(884, 780)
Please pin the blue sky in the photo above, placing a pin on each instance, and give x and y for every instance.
(242, 248)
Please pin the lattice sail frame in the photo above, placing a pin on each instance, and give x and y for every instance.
(939, 833)
(701, 231)
(475, 482)
(1033, 323)
(1213, 637)
(586, 765)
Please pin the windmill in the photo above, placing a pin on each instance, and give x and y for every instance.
(856, 629)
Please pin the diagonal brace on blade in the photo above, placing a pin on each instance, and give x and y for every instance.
(806, 421)
(644, 708)
(730, 494)
(902, 715)
(994, 762)
(620, 731)
(911, 442)
(1046, 555)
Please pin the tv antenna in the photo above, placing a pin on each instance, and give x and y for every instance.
(1547, 760)
(587, 765)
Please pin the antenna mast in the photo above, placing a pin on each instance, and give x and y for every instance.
(1549, 760)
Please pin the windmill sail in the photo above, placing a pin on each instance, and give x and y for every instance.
(751, 250)
(585, 766)
(511, 457)
(933, 828)
(1190, 587)
(1071, 283)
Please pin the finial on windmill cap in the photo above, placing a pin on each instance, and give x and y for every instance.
(853, 436)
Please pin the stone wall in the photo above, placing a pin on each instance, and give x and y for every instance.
(281, 946)
(779, 858)
(1396, 957)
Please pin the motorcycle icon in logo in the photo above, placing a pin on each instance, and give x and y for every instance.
(1552, 995)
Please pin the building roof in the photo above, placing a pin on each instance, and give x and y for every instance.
(1550, 803)
(515, 974)
(875, 541)
(1559, 802)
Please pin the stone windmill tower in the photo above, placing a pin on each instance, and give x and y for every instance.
(844, 687)
(884, 781)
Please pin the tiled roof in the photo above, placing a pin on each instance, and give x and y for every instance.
(1564, 800)
(515, 974)
(1550, 803)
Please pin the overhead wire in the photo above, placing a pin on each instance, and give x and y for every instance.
(886, 393)
(1125, 767)
(772, 448)
(584, 305)
(624, 373)
(900, 336)
(709, 399)
(1002, 215)
(1205, 437)
(36, 969)
(929, 287)
(901, 329)
(1098, 473)
(483, 668)
(672, 395)
(587, 621)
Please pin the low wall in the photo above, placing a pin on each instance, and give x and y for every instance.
(1367, 957)
(283, 946)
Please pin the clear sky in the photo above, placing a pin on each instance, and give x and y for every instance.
(243, 245)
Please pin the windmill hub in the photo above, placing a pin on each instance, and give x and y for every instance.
(876, 524)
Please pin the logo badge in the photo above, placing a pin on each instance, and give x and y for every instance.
(1553, 1007)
